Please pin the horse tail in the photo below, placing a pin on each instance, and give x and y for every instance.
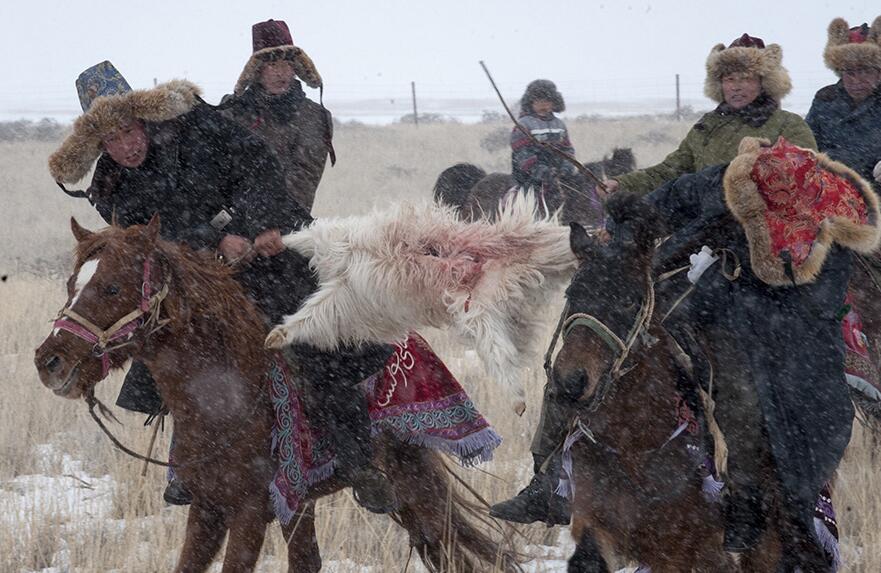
(444, 526)
(454, 183)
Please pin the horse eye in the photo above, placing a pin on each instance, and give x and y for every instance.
(111, 290)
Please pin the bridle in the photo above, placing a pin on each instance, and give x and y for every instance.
(147, 316)
(621, 347)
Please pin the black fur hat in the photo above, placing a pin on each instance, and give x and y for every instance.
(541, 89)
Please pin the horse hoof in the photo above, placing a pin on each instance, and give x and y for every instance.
(277, 339)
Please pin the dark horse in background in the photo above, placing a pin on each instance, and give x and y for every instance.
(639, 490)
(477, 193)
(202, 339)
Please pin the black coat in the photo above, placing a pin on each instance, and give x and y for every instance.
(198, 165)
(848, 132)
(201, 163)
(791, 335)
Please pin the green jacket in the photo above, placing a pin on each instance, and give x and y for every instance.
(713, 140)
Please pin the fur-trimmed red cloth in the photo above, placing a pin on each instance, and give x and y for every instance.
(793, 204)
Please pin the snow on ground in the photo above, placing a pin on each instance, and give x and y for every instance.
(70, 496)
(73, 496)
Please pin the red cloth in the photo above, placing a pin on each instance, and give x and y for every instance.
(419, 400)
(799, 194)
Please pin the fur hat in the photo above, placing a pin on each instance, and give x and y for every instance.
(541, 89)
(852, 48)
(106, 105)
(271, 40)
(796, 201)
(747, 54)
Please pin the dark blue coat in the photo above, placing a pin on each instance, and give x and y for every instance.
(847, 132)
(791, 336)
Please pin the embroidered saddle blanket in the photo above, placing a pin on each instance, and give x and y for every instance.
(414, 398)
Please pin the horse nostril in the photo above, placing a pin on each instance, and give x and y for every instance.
(52, 363)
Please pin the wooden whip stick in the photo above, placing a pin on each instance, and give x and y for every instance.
(581, 168)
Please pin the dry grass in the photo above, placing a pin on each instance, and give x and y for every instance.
(118, 522)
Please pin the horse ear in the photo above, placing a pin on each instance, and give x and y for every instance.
(151, 231)
(579, 241)
(80, 233)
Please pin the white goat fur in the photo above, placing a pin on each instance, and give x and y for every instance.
(388, 273)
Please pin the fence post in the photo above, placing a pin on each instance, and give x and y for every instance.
(678, 107)
(415, 113)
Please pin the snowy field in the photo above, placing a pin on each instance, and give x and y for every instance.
(70, 502)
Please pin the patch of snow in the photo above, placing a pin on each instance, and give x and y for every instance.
(72, 495)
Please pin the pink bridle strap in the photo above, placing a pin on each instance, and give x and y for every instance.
(81, 327)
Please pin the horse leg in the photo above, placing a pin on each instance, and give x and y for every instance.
(299, 533)
(587, 557)
(205, 531)
(247, 529)
(435, 515)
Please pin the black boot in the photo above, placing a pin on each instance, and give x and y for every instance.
(176, 493)
(138, 392)
(536, 502)
(372, 490)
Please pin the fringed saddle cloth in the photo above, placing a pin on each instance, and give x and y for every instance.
(415, 398)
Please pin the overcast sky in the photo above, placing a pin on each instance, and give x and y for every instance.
(594, 50)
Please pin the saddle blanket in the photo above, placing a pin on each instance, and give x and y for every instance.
(414, 398)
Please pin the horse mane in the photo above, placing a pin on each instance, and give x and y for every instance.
(203, 292)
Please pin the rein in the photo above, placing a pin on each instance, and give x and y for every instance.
(92, 401)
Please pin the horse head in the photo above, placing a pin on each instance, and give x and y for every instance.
(609, 296)
(113, 299)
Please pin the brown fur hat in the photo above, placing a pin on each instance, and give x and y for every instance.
(750, 56)
(72, 161)
(271, 41)
(748, 206)
(843, 53)
(541, 89)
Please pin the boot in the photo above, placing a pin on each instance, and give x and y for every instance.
(536, 502)
(176, 493)
(138, 392)
(372, 490)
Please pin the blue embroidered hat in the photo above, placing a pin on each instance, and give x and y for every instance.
(100, 80)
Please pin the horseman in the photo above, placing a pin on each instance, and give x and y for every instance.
(532, 165)
(782, 222)
(748, 81)
(269, 101)
(846, 119)
(165, 151)
(846, 116)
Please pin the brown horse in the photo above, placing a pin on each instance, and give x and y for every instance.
(202, 340)
(477, 193)
(637, 489)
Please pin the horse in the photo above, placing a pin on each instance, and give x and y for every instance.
(476, 193)
(202, 339)
(638, 491)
